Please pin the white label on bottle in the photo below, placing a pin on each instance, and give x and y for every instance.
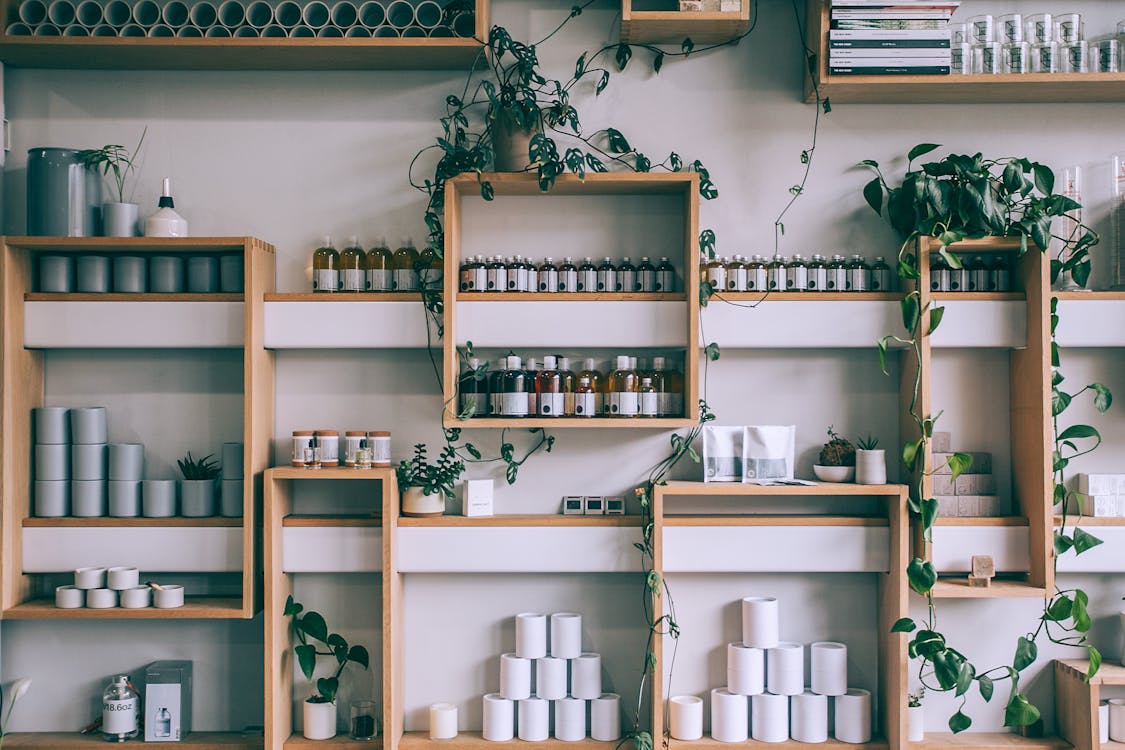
(664, 403)
(549, 280)
(496, 404)
(650, 404)
(665, 281)
(607, 279)
(624, 403)
(406, 280)
(818, 279)
(468, 279)
(380, 280)
(837, 279)
(646, 281)
(328, 449)
(777, 279)
(568, 281)
(737, 280)
(857, 279)
(717, 277)
(627, 281)
(351, 447)
(432, 278)
(380, 449)
(586, 404)
(497, 279)
(514, 279)
(480, 279)
(119, 716)
(588, 281)
(355, 280)
(326, 280)
(521, 280)
(759, 280)
(532, 280)
(797, 279)
(513, 404)
(300, 444)
(552, 404)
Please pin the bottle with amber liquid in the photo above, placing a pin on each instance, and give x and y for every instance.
(674, 384)
(404, 264)
(474, 275)
(380, 271)
(777, 274)
(326, 268)
(756, 277)
(531, 373)
(432, 272)
(549, 389)
(817, 274)
(353, 271)
(586, 397)
(497, 275)
(715, 271)
(623, 390)
(567, 378)
(514, 385)
(837, 274)
(736, 275)
(649, 399)
(496, 382)
(590, 373)
(659, 377)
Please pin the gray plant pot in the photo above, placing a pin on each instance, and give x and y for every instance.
(203, 274)
(232, 460)
(52, 425)
(130, 275)
(125, 499)
(126, 461)
(87, 499)
(63, 196)
(52, 499)
(92, 276)
(52, 462)
(88, 462)
(197, 498)
(88, 424)
(56, 273)
(230, 274)
(166, 274)
(119, 219)
(231, 505)
(158, 498)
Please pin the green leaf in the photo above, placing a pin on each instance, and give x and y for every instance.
(1103, 399)
(1079, 613)
(959, 722)
(910, 453)
(1079, 431)
(965, 675)
(336, 641)
(921, 149)
(959, 463)
(929, 512)
(986, 687)
(1044, 179)
(358, 654)
(952, 259)
(921, 574)
(306, 658)
(617, 142)
(1084, 541)
(882, 344)
(1095, 658)
(928, 644)
(936, 314)
(1059, 401)
(873, 194)
(687, 46)
(328, 687)
(603, 81)
(314, 626)
(580, 66)
(657, 62)
(511, 472)
(1019, 712)
(903, 625)
(1026, 652)
(1063, 543)
(712, 352)
(947, 668)
(624, 53)
(292, 607)
(826, 105)
(910, 312)
(472, 450)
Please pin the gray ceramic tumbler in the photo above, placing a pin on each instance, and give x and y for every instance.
(230, 274)
(130, 276)
(88, 461)
(52, 462)
(158, 498)
(166, 274)
(124, 499)
(56, 274)
(231, 505)
(197, 498)
(87, 499)
(203, 274)
(88, 425)
(52, 499)
(126, 462)
(232, 461)
(63, 197)
(93, 274)
(52, 425)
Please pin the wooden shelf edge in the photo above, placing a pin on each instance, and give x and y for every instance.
(594, 183)
(342, 297)
(774, 520)
(125, 244)
(987, 741)
(808, 296)
(199, 608)
(978, 296)
(688, 488)
(1076, 520)
(474, 741)
(464, 297)
(298, 742)
(330, 521)
(520, 521)
(977, 521)
(1112, 674)
(1114, 296)
(1031, 88)
(76, 741)
(337, 472)
(146, 297)
(958, 588)
(631, 423)
(104, 523)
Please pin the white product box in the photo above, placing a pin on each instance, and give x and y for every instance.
(730, 6)
(968, 505)
(943, 484)
(167, 701)
(593, 506)
(476, 497)
(941, 442)
(573, 505)
(1098, 506)
(1101, 484)
(947, 506)
(691, 5)
(974, 484)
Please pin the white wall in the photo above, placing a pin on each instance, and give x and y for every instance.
(290, 156)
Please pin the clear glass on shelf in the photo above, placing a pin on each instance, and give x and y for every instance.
(961, 58)
(988, 58)
(1070, 226)
(1039, 28)
(1068, 28)
(1010, 28)
(1105, 56)
(1017, 57)
(365, 722)
(982, 29)
(958, 34)
(1075, 57)
(1045, 58)
(1117, 222)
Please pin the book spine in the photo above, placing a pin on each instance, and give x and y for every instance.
(867, 15)
(853, 25)
(891, 34)
(941, 56)
(890, 70)
(887, 44)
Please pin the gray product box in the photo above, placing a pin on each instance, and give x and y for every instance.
(975, 484)
(968, 506)
(167, 701)
(982, 463)
(941, 442)
(946, 506)
(941, 463)
(943, 484)
(988, 505)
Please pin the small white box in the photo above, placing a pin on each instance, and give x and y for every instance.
(1100, 484)
(691, 5)
(615, 506)
(476, 498)
(974, 484)
(730, 6)
(573, 505)
(968, 506)
(167, 703)
(941, 463)
(593, 505)
(1103, 506)
(947, 506)
(941, 442)
(943, 484)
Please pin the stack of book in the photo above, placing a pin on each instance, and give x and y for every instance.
(898, 37)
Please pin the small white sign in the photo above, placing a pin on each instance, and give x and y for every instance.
(476, 498)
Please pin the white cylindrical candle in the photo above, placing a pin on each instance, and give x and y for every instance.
(1103, 722)
(443, 721)
(1116, 718)
(605, 718)
(771, 717)
(746, 669)
(685, 717)
(550, 678)
(570, 719)
(566, 635)
(499, 718)
(531, 635)
(829, 670)
(515, 677)
(534, 723)
(760, 621)
(586, 676)
(853, 716)
(730, 716)
(785, 669)
(808, 717)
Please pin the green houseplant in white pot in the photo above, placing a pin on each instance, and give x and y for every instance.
(197, 488)
(119, 218)
(310, 632)
(836, 462)
(426, 486)
(916, 716)
(870, 463)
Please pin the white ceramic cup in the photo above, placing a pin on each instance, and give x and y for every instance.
(88, 499)
(685, 717)
(92, 276)
(89, 578)
(230, 502)
(52, 499)
(1117, 719)
(122, 577)
(168, 597)
(137, 597)
(88, 424)
(69, 597)
(56, 272)
(101, 599)
(158, 498)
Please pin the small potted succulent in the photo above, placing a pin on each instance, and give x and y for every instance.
(916, 716)
(310, 632)
(426, 486)
(870, 464)
(119, 218)
(197, 488)
(836, 462)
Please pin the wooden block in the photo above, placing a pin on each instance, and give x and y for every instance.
(983, 566)
(941, 442)
(968, 506)
(979, 583)
(988, 506)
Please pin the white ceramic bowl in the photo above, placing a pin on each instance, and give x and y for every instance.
(101, 599)
(89, 578)
(122, 578)
(69, 597)
(137, 597)
(168, 597)
(834, 473)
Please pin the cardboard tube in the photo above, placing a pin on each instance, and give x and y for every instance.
(288, 14)
(232, 13)
(189, 32)
(33, 12)
(146, 13)
(203, 14)
(316, 14)
(372, 14)
(344, 14)
(89, 13)
(175, 13)
(400, 14)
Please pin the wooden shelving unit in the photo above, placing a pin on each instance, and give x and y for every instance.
(144, 523)
(830, 744)
(673, 26)
(344, 297)
(53, 297)
(1076, 700)
(988, 741)
(297, 742)
(519, 521)
(808, 296)
(76, 741)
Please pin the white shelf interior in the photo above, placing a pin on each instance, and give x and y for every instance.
(172, 549)
(535, 549)
(331, 549)
(776, 549)
(133, 325)
(347, 325)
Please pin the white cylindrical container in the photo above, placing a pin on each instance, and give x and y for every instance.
(915, 723)
(52, 425)
(122, 577)
(158, 498)
(605, 718)
(287, 13)
(531, 635)
(52, 499)
(165, 272)
(566, 635)
(808, 717)
(203, 14)
(829, 671)
(746, 669)
(232, 458)
(730, 716)
(89, 578)
(146, 13)
(126, 461)
(124, 498)
(358, 32)
(1103, 722)
(168, 597)
(138, 597)
(760, 621)
(685, 717)
(853, 716)
(1116, 719)
(224, 33)
(89, 13)
(586, 677)
(69, 597)
(534, 720)
(259, 14)
(443, 721)
(88, 423)
(771, 717)
(785, 669)
(550, 678)
(87, 461)
(175, 14)
(328, 448)
(400, 14)
(515, 677)
(316, 14)
(53, 462)
(570, 719)
(88, 499)
(499, 718)
(101, 599)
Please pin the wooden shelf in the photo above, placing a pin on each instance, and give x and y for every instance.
(980, 521)
(978, 296)
(820, 489)
(571, 297)
(1076, 520)
(958, 588)
(1028, 88)
(76, 741)
(337, 472)
(197, 608)
(558, 423)
(474, 741)
(595, 183)
(344, 297)
(773, 520)
(106, 522)
(672, 26)
(808, 296)
(987, 741)
(125, 244)
(832, 742)
(516, 521)
(1118, 296)
(1108, 674)
(297, 742)
(112, 297)
(332, 521)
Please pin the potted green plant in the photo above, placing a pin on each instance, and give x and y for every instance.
(870, 462)
(119, 218)
(836, 462)
(197, 488)
(916, 716)
(426, 486)
(308, 629)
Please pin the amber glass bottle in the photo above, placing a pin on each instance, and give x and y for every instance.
(326, 268)
(405, 260)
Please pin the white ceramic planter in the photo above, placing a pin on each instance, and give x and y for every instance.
(915, 721)
(870, 467)
(834, 473)
(119, 219)
(417, 504)
(319, 721)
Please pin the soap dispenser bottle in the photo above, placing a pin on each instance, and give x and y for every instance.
(166, 222)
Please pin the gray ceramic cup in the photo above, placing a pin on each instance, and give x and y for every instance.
(126, 461)
(231, 505)
(166, 274)
(52, 425)
(203, 274)
(52, 462)
(232, 460)
(93, 274)
(197, 498)
(52, 499)
(137, 597)
(230, 274)
(88, 425)
(130, 275)
(158, 498)
(125, 498)
(56, 273)
(87, 499)
(88, 462)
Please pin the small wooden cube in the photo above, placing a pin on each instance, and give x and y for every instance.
(983, 566)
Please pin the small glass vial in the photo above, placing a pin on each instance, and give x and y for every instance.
(607, 275)
(1040, 28)
(363, 456)
(961, 58)
(1045, 58)
(353, 441)
(646, 276)
(405, 266)
(474, 275)
(837, 274)
(327, 448)
(736, 275)
(756, 274)
(1010, 28)
(776, 274)
(715, 272)
(587, 399)
(988, 58)
(326, 268)
(353, 271)
(587, 276)
(550, 399)
(1068, 28)
(817, 276)
(548, 277)
(568, 276)
(939, 274)
(1001, 274)
(120, 714)
(1017, 57)
(473, 391)
(623, 390)
(979, 280)
(881, 276)
(649, 399)
(379, 441)
(1076, 57)
(311, 453)
(163, 726)
(1105, 57)
(665, 276)
(497, 275)
(302, 442)
(981, 29)
(380, 270)
(797, 275)
(627, 276)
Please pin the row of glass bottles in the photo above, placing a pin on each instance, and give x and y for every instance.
(1039, 43)
(975, 275)
(406, 270)
(521, 389)
(796, 274)
(520, 274)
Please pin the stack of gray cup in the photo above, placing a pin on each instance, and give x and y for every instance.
(88, 460)
(238, 18)
(126, 470)
(52, 462)
(231, 503)
(132, 274)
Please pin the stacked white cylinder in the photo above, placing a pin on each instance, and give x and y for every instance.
(550, 678)
(531, 635)
(785, 669)
(730, 716)
(534, 719)
(515, 677)
(808, 717)
(685, 717)
(771, 717)
(605, 718)
(853, 716)
(586, 677)
(829, 670)
(570, 719)
(746, 668)
(499, 718)
(761, 622)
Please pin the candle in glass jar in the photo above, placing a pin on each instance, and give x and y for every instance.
(443, 721)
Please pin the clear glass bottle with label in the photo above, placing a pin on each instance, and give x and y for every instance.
(326, 268)
(549, 389)
(548, 276)
(513, 389)
(736, 275)
(715, 272)
(432, 272)
(586, 397)
(353, 273)
(665, 276)
(859, 274)
(776, 274)
(532, 275)
(568, 276)
(837, 274)
(757, 275)
(797, 274)
(591, 372)
(626, 275)
(380, 271)
(649, 399)
(660, 383)
(120, 710)
(496, 383)
(939, 274)
(497, 274)
(474, 275)
(623, 390)
(818, 274)
(405, 266)
(607, 276)
(587, 276)
(531, 372)
(881, 279)
(646, 276)
(523, 274)
(473, 390)
(567, 377)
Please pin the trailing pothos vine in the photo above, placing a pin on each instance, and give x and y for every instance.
(956, 198)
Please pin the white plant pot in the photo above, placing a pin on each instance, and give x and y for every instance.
(915, 721)
(319, 721)
(870, 467)
(417, 504)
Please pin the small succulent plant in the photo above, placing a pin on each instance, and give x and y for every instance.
(838, 451)
(868, 443)
(198, 468)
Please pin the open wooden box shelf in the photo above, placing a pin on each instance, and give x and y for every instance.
(674, 26)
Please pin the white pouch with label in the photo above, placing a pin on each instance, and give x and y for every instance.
(722, 453)
(767, 452)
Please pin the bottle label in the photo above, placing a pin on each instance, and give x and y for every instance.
(664, 404)
(737, 280)
(468, 280)
(496, 404)
(585, 404)
(552, 404)
(474, 404)
(549, 281)
(624, 403)
(480, 279)
(857, 279)
(381, 450)
(646, 281)
(355, 280)
(717, 277)
(513, 404)
(532, 279)
(627, 281)
(406, 280)
(380, 280)
(607, 280)
(759, 276)
(568, 281)
(978, 280)
(588, 281)
(665, 281)
(818, 279)
(957, 280)
(777, 278)
(837, 279)
(497, 279)
(880, 280)
(797, 279)
(325, 280)
(1003, 282)
(513, 276)
(521, 280)
(568, 404)
(650, 404)
(119, 716)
